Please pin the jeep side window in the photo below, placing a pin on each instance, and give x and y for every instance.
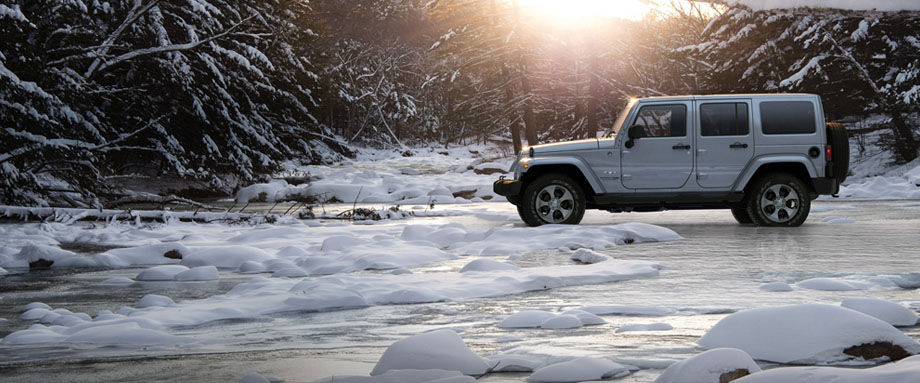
(724, 119)
(787, 117)
(663, 120)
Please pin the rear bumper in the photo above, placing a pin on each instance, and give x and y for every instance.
(825, 185)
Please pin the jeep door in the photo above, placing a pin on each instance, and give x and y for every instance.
(725, 141)
(661, 158)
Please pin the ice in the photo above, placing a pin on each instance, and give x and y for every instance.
(629, 310)
(150, 254)
(579, 369)
(906, 370)
(802, 334)
(831, 284)
(118, 281)
(709, 366)
(887, 311)
(404, 376)
(486, 264)
(161, 273)
(440, 349)
(3, 271)
(776, 287)
(588, 256)
(835, 220)
(645, 327)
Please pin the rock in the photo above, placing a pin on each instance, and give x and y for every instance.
(489, 171)
(732, 375)
(465, 194)
(40, 264)
(875, 350)
(173, 254)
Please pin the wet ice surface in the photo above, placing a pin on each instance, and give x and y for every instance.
(716, 269)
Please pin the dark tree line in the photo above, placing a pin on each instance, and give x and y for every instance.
(202, 96)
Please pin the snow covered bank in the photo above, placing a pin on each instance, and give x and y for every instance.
(804, 334)
(892, 186)
(262, 296)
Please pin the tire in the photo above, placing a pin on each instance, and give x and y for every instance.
(741, 215)
(838, 139)
(778, 199)
(552, 199)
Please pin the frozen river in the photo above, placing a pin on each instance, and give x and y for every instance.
(714, 270)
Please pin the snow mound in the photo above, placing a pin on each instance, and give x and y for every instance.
(831, 284)
(887, 311)
(588, 256)
(230, 257)
(404, 376)
(485, 264)
(161, 273)
(708, 367)
(802, 334)
(154, 300)
(526, 319)
(36, 305)
(629, 310)
(561, 322)
(578, 370)
(440, 349)
(904, 371)
(586, 318)
(513, 363)
(645, 327)
(201, 273)
(776, 287)
(118, 281)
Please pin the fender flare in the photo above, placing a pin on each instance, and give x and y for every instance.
(580, 164)
(759, 162)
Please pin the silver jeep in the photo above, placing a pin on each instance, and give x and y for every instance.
(764, 156)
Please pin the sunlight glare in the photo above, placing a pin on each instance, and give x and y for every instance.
(576, 11)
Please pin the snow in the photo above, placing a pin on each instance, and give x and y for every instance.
(201, 273)
(890, 5)
(404, 376)
(802, 334)
(906, 370)
(904, 186)
(588, 256)
(776, 287)
(561, 322)
(526, 319)
(579, 369)
(887, 311)
(831, 284)
(708, 367)
(486, 264)
(645, 327)
(548, 320)
(440, 349)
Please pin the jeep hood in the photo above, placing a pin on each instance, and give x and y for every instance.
(587, 144)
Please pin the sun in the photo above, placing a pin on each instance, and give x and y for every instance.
(578, 11)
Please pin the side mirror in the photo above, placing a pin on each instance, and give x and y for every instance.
(634, 133)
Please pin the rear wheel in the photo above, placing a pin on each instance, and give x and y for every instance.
(741, 215)
(778, 200)
(552, 199)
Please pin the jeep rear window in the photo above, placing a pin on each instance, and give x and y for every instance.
(663, 120)
(787, 117)
(725, 119)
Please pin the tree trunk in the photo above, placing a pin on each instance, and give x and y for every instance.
(530, 126)
(593, 96)
(905, 142)
(515, 122)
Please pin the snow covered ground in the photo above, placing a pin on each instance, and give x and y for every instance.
(620, 296)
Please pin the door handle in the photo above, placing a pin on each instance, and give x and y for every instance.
(681, 147)
(738, 145)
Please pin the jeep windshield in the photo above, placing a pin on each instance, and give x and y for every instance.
(621, 119)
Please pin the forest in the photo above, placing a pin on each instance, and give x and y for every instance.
(106, 100)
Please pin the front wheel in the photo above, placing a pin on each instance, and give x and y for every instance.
(778, 200)
(552, 198)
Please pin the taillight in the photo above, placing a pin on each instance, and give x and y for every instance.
(827, 153)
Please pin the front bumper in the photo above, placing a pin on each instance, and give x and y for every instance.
(510, 189)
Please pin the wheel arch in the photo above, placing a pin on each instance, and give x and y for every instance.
(800, 167)
(572, 167)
